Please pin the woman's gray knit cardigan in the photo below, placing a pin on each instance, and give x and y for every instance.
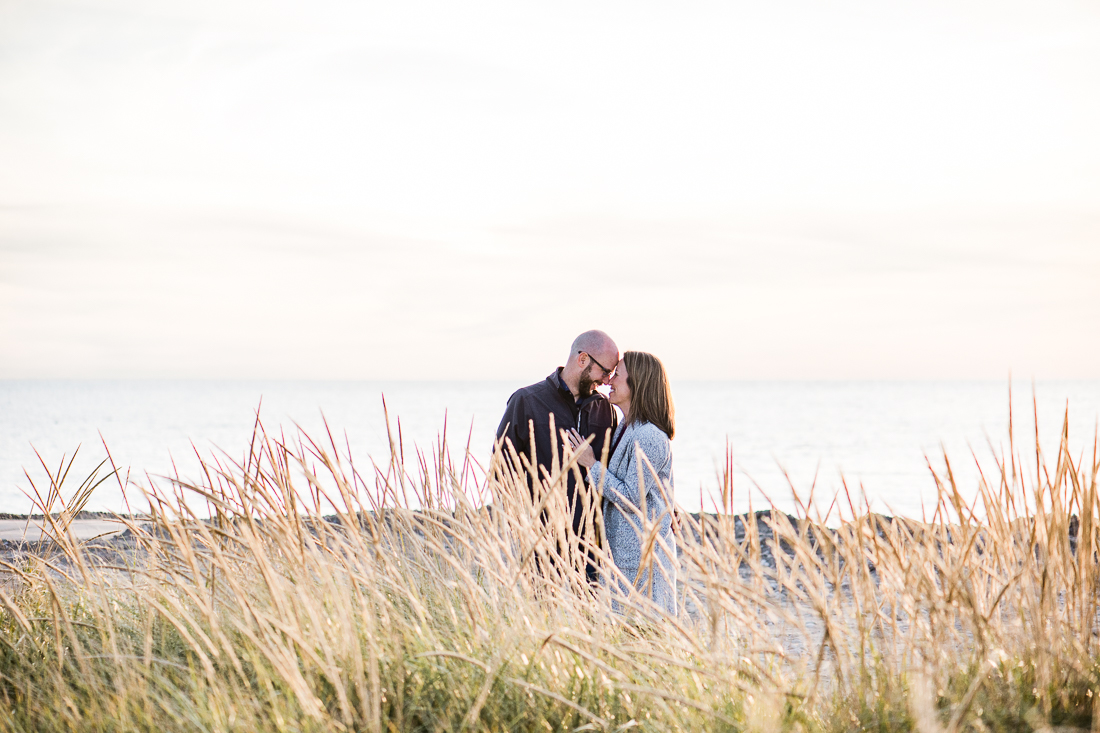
(622, 508)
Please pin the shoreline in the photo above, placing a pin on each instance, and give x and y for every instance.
(17, 531)
(82, 514)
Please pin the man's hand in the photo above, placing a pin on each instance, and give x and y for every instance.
(585, 456)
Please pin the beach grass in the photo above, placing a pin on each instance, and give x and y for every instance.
(294, 590)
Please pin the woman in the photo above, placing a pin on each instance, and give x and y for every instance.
(636, 484)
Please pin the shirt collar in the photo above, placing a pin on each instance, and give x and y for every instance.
(563, 386)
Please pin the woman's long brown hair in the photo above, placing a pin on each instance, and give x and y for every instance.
(650, 393)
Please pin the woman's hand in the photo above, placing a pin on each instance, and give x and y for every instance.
(585, 456)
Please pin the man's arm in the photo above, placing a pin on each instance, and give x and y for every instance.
(513, 428)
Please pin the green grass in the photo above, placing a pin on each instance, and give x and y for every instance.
(450, 616)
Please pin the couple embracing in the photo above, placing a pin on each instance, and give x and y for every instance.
(634, 486)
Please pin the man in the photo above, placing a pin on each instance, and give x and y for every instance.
(569, 395)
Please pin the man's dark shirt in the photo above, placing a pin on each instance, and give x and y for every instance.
(592, 415)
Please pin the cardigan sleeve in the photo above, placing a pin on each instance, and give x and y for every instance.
(624, 490)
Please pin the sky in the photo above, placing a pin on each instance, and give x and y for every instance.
(436, 190)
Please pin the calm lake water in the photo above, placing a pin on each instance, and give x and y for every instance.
(875, 434)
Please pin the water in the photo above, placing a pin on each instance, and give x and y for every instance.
(875, 434)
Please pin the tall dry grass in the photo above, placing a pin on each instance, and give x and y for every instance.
(426, 593)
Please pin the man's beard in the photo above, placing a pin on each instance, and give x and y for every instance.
(585, 383)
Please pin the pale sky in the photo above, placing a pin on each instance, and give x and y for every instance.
(442, 190)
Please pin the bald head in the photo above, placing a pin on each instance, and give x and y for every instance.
(596, 343)
(591, 358)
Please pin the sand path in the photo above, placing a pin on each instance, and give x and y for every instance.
(17, 530)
